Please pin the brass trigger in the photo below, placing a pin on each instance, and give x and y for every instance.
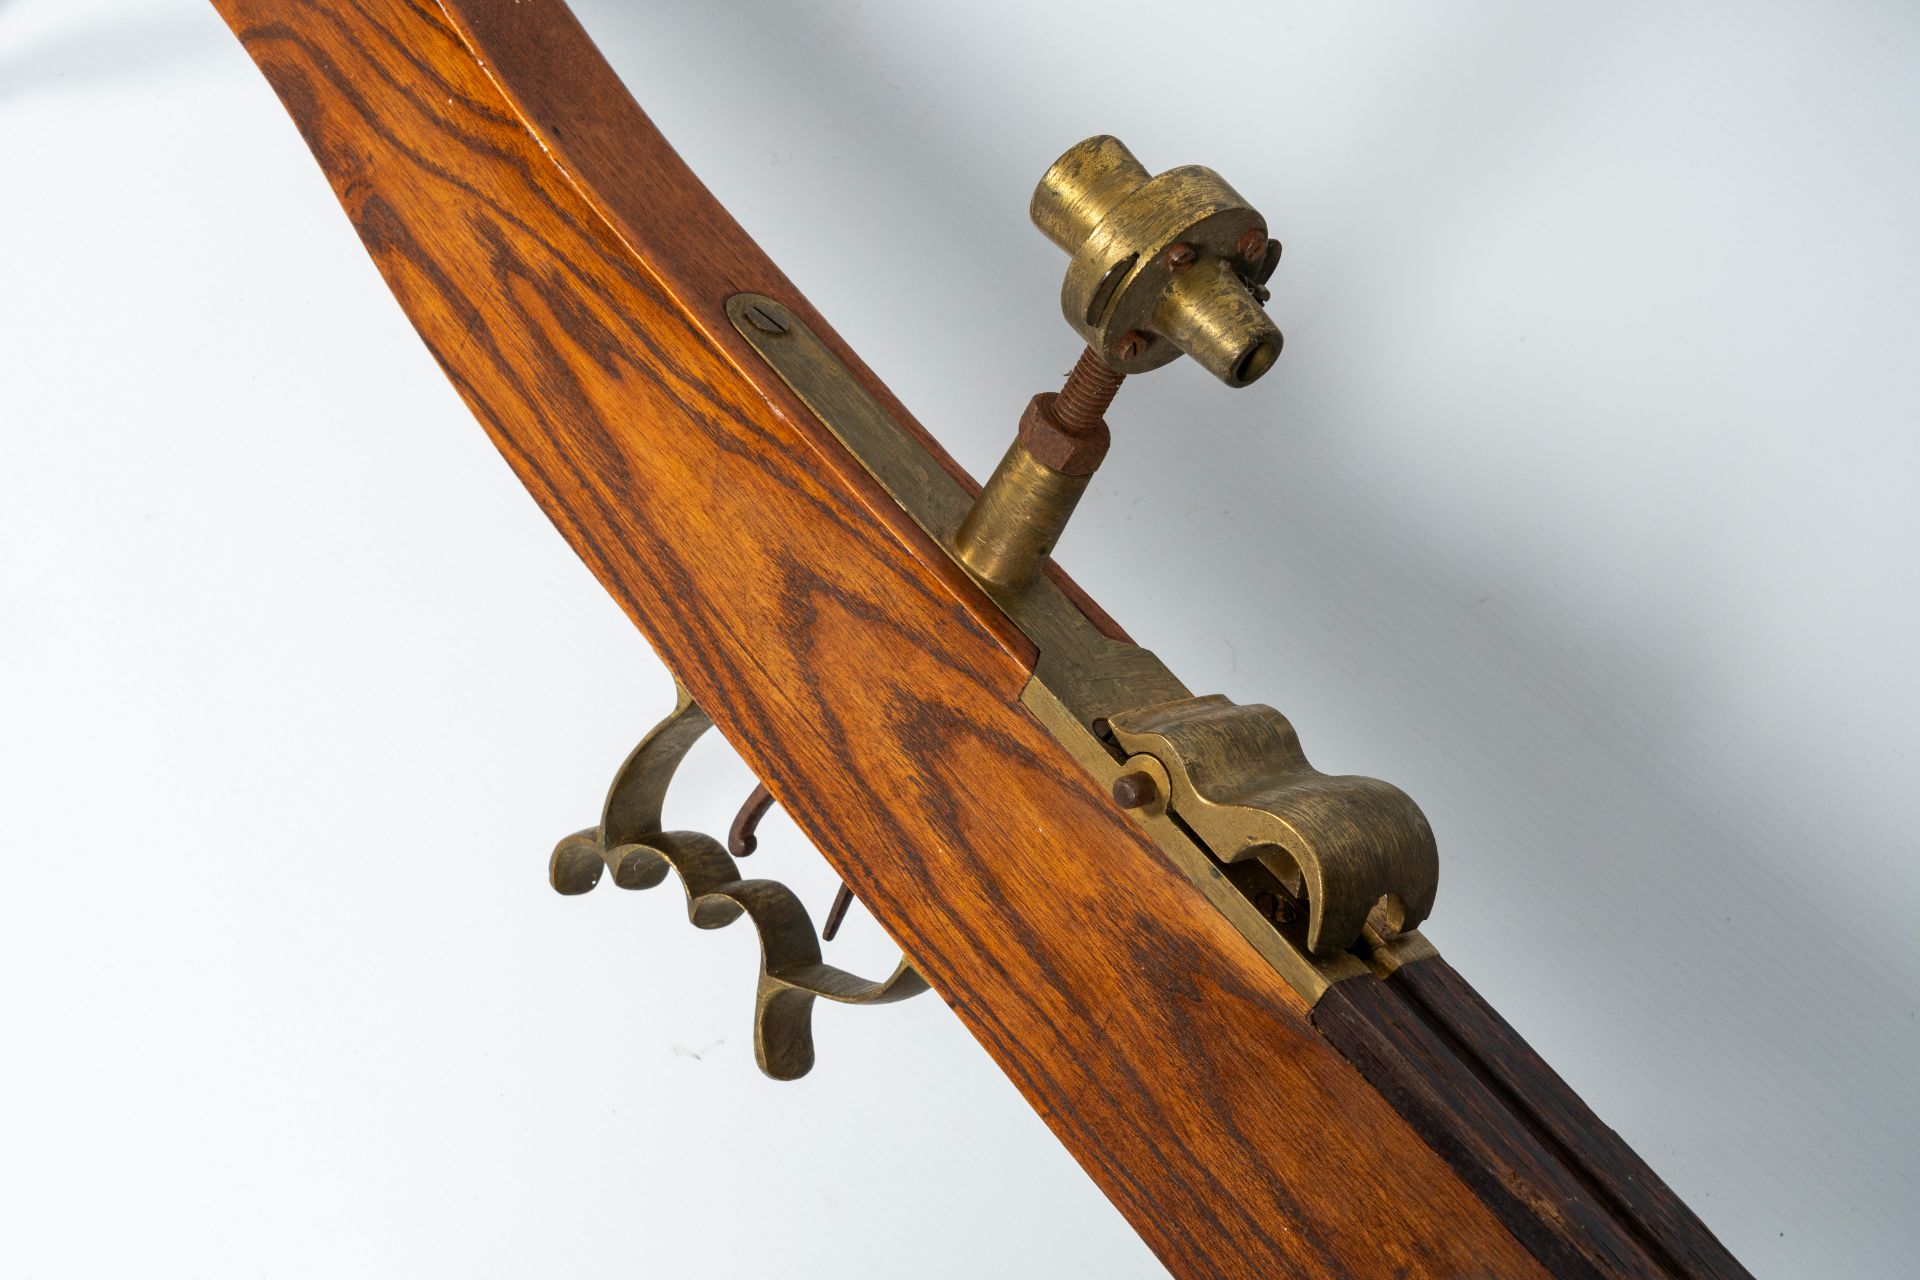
(743, 837)
(631, 844)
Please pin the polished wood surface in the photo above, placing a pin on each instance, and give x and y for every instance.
(569, 274)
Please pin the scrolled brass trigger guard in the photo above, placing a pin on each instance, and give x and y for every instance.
(630, 843)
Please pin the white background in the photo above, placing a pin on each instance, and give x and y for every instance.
(1581, 505)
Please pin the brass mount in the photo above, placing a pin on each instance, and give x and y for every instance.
(1327, 877)
(1158, 266)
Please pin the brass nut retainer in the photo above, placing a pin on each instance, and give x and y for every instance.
(1160, 265)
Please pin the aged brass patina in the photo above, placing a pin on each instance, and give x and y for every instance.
(1160, 265)
(630, 842)
(1011, 529)
(1357, 850)
(1087, 685)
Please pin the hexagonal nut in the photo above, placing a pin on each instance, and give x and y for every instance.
(1052, 445)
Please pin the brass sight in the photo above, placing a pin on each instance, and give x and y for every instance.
(1160, 266)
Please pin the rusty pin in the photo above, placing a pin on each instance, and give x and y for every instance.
(1135, 790)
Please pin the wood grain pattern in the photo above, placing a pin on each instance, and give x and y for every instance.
(569, 275)
(1531, 1100)
(1580, 1199)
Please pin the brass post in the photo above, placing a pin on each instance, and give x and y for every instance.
(1158, 266)
(1013, 525)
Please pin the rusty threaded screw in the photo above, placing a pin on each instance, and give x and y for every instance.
(1089, 389)
(1253, 245)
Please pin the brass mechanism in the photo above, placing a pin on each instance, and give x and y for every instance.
(1027, 500)
(1159, 266)
(1357, 851)
(1324, 876)
(630, 843)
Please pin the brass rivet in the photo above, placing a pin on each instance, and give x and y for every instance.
(1135, 790)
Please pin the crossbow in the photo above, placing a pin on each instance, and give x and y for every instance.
(1197, 956)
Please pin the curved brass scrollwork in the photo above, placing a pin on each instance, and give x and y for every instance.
(629, 841)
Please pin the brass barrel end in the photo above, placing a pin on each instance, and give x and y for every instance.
(1209, 314)
(1160, 266)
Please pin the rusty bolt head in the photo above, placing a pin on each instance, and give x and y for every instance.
(1130, 345)
(1253, 245)
(1135, 790)
(1179, 256)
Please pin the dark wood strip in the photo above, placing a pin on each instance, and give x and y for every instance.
(1582, 1201)
(1612, 1170)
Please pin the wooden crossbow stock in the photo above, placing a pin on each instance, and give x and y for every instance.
(1195, 955)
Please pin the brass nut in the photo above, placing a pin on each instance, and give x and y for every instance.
(1072, 453)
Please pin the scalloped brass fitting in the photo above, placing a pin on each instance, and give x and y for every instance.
(1160, 265)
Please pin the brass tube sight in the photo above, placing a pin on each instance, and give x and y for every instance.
(1159, 266)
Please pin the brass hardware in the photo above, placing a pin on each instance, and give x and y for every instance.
(1024, 506)
(1085, 682)
(743, 838)
(629, 841)
(1358, 850)
(1011, 530)
(1160, 265)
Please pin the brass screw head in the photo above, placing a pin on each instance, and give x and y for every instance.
(764, 320)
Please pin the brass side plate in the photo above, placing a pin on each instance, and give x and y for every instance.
(1083, 680)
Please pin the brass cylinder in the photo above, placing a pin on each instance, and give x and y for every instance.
(1082, 187)
(1160, 265)
(1018, 517)
(1208, 313)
